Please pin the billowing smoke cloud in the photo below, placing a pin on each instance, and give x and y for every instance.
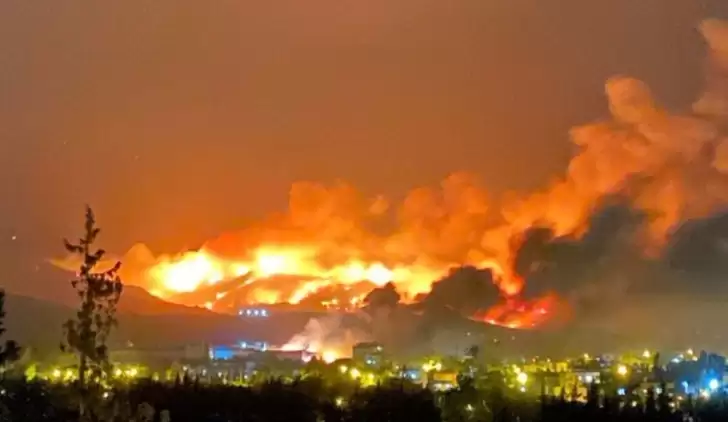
(445, 224)
(328, 334)
(465, 289)
(583, 269)
(698, 251)
(650, 225)
(382, 297)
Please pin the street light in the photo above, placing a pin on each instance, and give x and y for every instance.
(622, 370)
(522, 378)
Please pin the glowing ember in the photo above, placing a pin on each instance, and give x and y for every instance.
(520, 314)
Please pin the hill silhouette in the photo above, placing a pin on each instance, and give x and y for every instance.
(54, 286)
(145, 321)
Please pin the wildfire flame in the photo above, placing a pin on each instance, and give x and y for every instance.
(195, 270)
(319, 251)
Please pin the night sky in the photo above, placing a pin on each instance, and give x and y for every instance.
(180, 119)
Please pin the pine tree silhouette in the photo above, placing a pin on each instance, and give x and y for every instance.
(99, 292)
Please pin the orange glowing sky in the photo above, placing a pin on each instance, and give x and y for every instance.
(179, 120)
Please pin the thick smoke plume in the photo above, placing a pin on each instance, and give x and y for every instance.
(638, 208)
(329, 335)
(639, 221)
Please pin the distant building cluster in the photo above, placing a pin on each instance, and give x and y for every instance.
(370, 353)
(680, 374)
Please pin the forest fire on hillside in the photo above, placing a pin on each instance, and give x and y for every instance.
(329, 248)
(320, 255)
(340, 286)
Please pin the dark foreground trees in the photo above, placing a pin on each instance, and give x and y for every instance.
(309, 400)
(10, 350)
(99, 291)
(314, 400)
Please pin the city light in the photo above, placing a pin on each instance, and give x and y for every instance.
(646, 354)
(622, 370)
(432, 366)
(713, 384)
(522, 378)
(355, 374)
(254, 313)
(369, 379)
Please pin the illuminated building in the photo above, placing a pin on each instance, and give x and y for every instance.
(254, 345)
(370, 353)
(443, 381)
(241, 350)
(588, 376)
(291, 355)
(226, 352)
